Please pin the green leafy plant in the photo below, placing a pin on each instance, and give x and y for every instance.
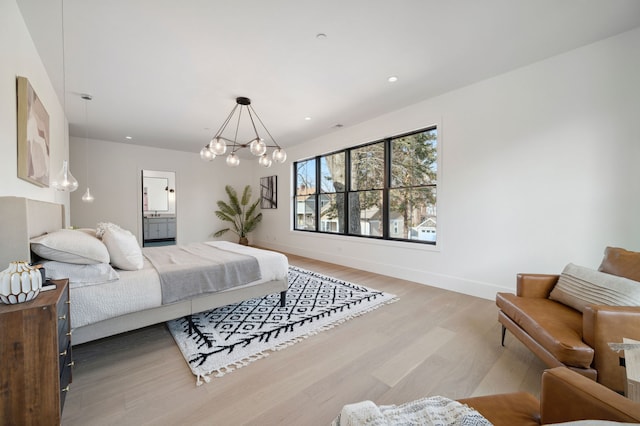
(240, 212)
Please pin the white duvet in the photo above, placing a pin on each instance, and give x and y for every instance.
(140, 290)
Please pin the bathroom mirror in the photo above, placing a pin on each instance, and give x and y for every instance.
(158, 193)
(158, 208)
(155, 192)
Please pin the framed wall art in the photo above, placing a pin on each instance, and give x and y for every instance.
(269, 192)
(33, 135)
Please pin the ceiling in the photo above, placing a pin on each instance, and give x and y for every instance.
(167, 73)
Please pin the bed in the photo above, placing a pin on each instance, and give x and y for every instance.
(134, 299)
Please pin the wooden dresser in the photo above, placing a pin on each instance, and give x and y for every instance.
(35, 358)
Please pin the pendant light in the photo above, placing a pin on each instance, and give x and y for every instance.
(64, 181)
(87, 197)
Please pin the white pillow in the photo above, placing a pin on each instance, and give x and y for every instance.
(96, 273)
(579, 286)
(124, 250)
(70, 246)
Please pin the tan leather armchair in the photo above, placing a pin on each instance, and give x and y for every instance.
(562, 336)
(565, 396)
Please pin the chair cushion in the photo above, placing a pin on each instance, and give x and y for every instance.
(556, 327)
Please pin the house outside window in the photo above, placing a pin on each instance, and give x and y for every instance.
(385, 190)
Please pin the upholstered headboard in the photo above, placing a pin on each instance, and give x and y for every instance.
(22, 219)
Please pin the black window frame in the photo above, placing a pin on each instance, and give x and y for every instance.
(386, 189)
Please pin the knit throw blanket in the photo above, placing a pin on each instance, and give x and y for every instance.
(435, 410)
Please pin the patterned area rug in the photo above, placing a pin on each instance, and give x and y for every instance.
(219, 341)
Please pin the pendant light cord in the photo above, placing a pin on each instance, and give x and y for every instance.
(86, 98)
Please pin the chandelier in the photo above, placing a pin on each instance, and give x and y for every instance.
(256, 144)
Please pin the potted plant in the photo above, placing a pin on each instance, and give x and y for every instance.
(240, 213)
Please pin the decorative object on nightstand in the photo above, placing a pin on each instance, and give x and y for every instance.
(35, 349)
(19, 283)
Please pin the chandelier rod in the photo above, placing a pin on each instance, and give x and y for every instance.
(235, 137)
(226, 121)
(263, 126)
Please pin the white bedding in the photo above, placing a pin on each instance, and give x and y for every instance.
(140, 290)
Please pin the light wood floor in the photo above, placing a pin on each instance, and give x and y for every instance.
(430, 342)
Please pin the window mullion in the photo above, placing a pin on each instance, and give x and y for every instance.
(347, 190)
(385, 190)
(317, 193)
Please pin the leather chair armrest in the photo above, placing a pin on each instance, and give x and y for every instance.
(568, 396)
(602, 325)
(535, 285)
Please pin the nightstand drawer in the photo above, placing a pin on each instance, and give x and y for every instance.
(62, 308)
(64, 353)
(65, 377)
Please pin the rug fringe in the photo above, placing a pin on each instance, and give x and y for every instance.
(229, 368)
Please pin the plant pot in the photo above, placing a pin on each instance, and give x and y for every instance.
(244, 241)
(19, 283)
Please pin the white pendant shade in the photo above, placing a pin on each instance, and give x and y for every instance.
(65, 180)
(87, 197)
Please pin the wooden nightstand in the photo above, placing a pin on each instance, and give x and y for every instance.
(35, 357)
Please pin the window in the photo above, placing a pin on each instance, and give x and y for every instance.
(412, 192)
(332, 187)
(366, 169)
(305, 202)
(385, 190)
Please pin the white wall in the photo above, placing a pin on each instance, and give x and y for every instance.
(114, 173)
(539, 168)
(19, 57)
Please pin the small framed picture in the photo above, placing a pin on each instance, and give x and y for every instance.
(269, 192)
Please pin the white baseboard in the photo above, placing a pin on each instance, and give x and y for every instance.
(460, 285)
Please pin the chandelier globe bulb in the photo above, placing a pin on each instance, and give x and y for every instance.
(279, 155)
(233, 160)
(206, 154)
(265, 161)
(258, 147)
(218, 146)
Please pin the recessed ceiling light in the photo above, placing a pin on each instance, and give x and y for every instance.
(128, 138)
(308, 118)
(392, 79)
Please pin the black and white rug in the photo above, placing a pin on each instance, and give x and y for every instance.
(219, 341)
